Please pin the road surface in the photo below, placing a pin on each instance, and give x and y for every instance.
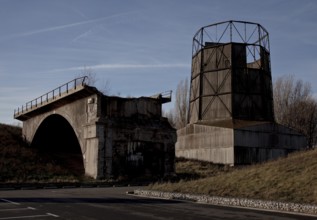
(113, 203)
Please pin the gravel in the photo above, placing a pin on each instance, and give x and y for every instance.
(238, 202)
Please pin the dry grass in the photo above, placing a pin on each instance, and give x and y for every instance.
(192, 169)
(291, 179)
(21, 164)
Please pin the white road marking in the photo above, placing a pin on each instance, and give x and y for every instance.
(5, 210)
(56, 216)
(31, 208)
(5, 200)
(27, 216)
(21, 217)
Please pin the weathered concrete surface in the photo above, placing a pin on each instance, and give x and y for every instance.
(138, 139)
(207, 143)
(77, 115)
(237, 145)
(259, 143)
(117, 136)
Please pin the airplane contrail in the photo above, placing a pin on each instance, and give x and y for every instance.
(55, 28)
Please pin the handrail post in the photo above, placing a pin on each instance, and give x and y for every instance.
(55, 93)
(83, 82)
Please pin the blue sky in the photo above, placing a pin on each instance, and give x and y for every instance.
(141, 47)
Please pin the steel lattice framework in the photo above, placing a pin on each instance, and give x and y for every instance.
(249, 33)
(231, 73)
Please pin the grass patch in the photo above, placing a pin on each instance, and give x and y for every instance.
(187, 169)
(291, 179)
(21, 164)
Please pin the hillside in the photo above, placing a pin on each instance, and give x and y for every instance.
(22, 164)
(291, 179)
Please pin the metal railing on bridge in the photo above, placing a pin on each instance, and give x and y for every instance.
(51, 95)
(164, 96)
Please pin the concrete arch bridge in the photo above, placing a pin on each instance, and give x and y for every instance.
(98, 135)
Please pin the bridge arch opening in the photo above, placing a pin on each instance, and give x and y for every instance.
(56, 139)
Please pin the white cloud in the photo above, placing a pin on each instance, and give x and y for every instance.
(124, 66)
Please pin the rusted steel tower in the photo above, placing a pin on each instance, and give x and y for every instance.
(231, 74)
(231, 117)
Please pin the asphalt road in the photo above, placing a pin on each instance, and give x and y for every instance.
(114, 203)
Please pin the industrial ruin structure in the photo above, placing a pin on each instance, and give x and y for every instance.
(231, 115)
(101, 136)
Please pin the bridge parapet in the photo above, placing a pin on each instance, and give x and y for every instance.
(52, 96)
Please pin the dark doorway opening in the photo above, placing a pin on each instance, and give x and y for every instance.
(56, 141)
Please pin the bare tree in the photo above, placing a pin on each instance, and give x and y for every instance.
(92, 80)
(305, 119)
(295, 107)
(170, 116)
(91, 76)
(181, 104)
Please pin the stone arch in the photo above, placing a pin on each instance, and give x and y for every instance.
(56, 136)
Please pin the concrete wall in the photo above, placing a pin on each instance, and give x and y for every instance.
(138, 140)
(130, 107)
(207, 143)
(243, 145)
(264, 142)
(139, 150)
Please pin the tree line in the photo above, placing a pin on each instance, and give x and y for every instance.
(294, 106)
